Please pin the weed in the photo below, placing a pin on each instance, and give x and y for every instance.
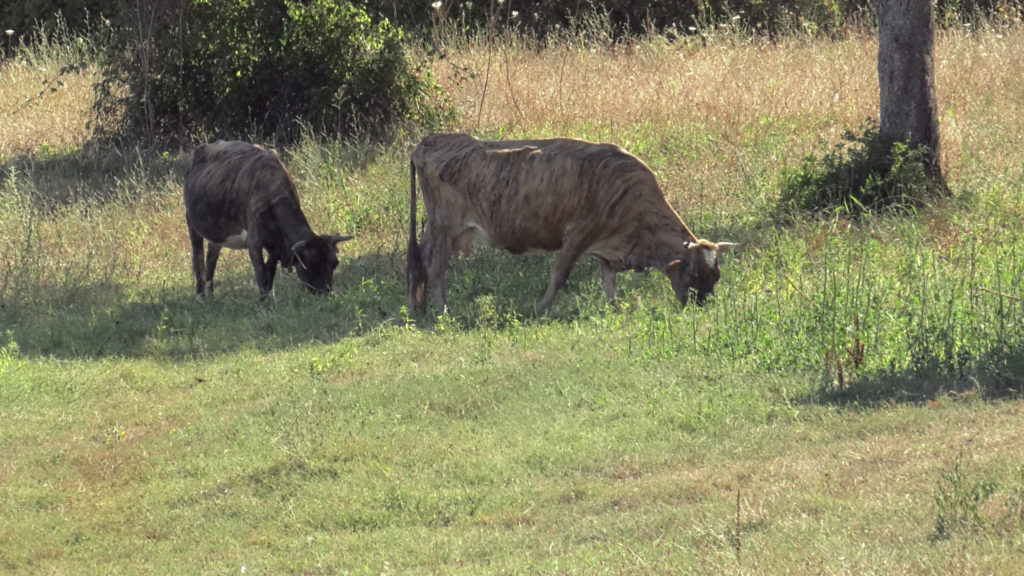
(959, 499)
(9, 352)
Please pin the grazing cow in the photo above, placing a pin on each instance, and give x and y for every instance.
(240, 196)
(546, 195)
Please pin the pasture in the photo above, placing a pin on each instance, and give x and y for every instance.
(849, 403)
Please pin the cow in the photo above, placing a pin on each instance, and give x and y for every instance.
(241, 196)
(565, 195)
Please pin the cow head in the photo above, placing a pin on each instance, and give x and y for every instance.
(697, 270)
(315, 260)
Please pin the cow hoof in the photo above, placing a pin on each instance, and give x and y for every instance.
(269, 299)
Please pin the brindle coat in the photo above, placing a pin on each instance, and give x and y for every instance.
(567, 195)
(239, 195)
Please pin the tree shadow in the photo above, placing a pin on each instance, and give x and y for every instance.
(489, 288)
(101, 320)
(112, 319)
(92, 174)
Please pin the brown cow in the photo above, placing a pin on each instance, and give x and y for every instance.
(240, 196)
(545, 195)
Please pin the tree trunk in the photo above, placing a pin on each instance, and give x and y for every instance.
(906, 76)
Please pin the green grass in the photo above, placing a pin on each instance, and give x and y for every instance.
(849, 403)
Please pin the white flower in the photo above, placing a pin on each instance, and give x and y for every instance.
(515, 14)
(9, 32)
(436, 5)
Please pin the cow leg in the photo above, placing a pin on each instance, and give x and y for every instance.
(437, 249)
(211, 265)
(270, 270)
(563, 266)
(264, 275)
(197, 262)
(608, 276)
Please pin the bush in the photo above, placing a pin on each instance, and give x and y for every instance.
(234, 67)
(866, 172)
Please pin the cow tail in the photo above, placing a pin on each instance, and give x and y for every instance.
(415, 271)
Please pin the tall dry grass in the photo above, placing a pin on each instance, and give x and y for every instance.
(731, 85)
(46, 97)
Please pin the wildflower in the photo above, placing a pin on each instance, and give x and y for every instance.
(515, 14)
(9, 32)
(436, 5)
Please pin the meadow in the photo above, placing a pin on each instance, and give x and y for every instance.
(850, 403)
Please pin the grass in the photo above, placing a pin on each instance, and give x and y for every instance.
(850, 403)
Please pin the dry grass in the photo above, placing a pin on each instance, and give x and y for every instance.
(733, 83)
(732, 86)
(40, 107)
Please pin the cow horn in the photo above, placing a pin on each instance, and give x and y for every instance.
(726, 246)
(298, 245)
(338, 238)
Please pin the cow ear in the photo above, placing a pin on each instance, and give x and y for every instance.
(337, 239)
(673, 265)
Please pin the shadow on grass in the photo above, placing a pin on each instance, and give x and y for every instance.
(110, 319)
(996, 375)
(167, 323)
(93, 174)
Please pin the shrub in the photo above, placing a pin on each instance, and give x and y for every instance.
(866, 172)
(235, 67)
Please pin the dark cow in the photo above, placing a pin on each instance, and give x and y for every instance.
(240, 196)
(545, 195)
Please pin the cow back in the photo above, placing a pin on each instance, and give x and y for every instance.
(228, 184)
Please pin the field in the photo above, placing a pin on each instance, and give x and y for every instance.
(850, 403)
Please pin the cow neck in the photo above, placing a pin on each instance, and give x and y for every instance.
(667, 243)
(292, 223)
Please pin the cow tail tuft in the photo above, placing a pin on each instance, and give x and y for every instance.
(415, 271)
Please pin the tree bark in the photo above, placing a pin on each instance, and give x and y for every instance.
(906, 76)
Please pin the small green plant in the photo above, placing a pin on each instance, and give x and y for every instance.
(8, 352)
(866, 172)
(116, 434)
(959, 499)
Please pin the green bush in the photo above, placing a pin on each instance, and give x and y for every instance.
(866, 172)
(235, 67)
